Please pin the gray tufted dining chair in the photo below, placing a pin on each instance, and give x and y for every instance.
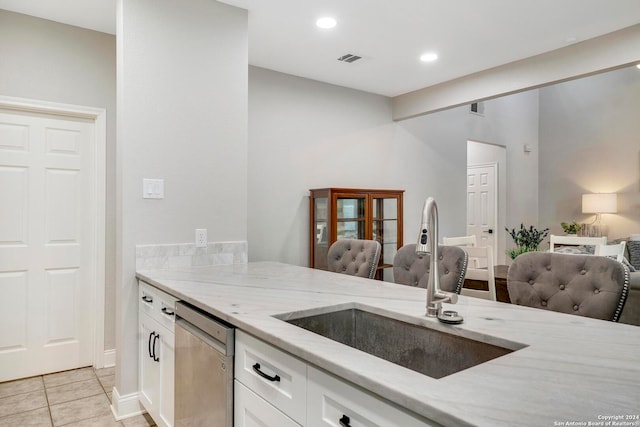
(354, 257)
(410, 270)
(584, 285)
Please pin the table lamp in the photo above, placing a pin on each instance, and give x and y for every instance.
(599, 203)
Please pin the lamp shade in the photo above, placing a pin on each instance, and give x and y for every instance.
(600, 203)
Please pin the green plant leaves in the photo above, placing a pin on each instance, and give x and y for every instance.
(526, 239)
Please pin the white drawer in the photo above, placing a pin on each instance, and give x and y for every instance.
(289, 391)
(147, 299)
(251, 410)
(330, 400)
(157, 304)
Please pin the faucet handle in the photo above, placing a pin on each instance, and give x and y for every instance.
(444, 296)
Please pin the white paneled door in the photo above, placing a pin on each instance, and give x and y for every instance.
(482, 204)
(46, 294)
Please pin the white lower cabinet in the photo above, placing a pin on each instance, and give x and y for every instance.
(333, 402)
(250, 410)
(156, 354)
(273, 389)
(277, 377)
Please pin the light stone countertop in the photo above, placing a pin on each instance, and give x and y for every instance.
(573, 369)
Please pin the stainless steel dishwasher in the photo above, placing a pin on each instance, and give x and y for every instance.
(203, 369)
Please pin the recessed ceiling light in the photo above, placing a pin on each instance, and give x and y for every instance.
(326, 22)
(428, 57)
(638, 66)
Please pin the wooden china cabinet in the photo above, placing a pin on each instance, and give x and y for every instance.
(350, 213)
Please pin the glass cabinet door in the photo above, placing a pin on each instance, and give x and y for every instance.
(385, 230)
(321, 223)
(350, 218)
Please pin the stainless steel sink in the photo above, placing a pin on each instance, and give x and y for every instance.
(417, 347)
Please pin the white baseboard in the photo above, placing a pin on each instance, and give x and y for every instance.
(125, 406)
(109, 359)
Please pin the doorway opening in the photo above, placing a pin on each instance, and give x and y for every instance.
(486, 195)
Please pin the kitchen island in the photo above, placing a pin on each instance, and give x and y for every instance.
(568, 370)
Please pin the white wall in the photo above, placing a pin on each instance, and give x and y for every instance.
(514, 126)
(182, 116)
(512, 122)
(590, 143)
(432, 157)
(45, 60)
(304, 134)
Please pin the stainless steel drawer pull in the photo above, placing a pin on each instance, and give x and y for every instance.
(274, 378)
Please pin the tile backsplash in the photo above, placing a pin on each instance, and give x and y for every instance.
(180, 255)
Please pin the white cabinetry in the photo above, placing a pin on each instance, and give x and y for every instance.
(250, 410)
(273, 389)
(277, 378)
(333, 402)
(156, 317)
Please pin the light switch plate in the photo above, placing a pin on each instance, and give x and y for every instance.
(152, 188)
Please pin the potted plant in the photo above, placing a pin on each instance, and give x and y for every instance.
(572, 228)
(526, 239)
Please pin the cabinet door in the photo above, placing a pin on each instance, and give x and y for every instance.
(156, 376)
(333, 402)
(250, 410)
(149, 376)
(351, 217)
(386, 229)
(166, 347)
(321, 228)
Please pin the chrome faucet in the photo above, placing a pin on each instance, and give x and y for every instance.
(428, 244)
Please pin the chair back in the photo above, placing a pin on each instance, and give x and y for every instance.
(575, 241)
(485, 255)
(459, 241)
(466, 241)
(584, 285)
(354, 257)
(613, 251)
(409, 269)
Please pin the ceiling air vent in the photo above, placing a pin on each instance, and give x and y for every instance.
(349, 57)
(477, 108)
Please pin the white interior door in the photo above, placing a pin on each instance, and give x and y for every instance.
(46, 289)
(482, 204)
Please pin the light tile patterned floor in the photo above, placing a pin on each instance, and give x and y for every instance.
(77, 398)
